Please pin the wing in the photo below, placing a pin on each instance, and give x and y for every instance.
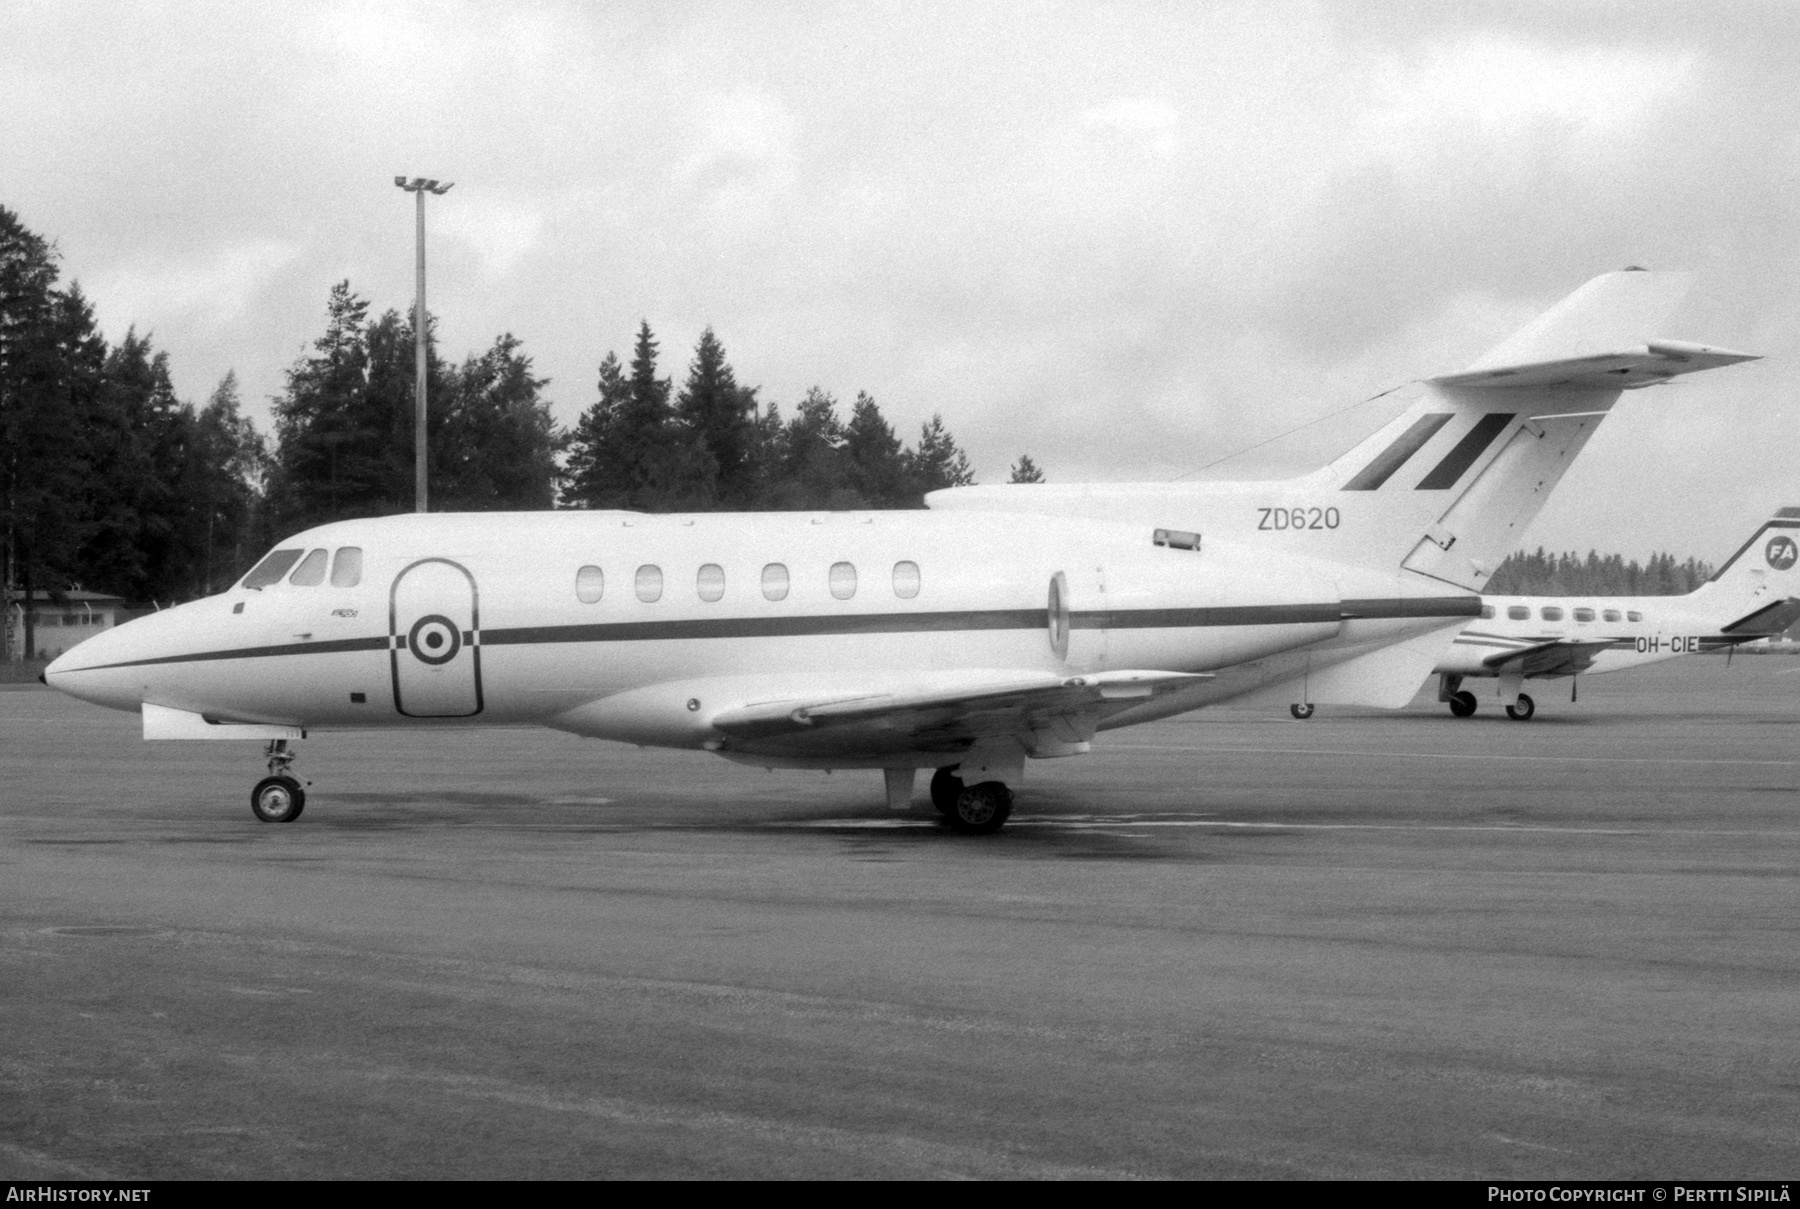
(1563, 657)
(1052, 715)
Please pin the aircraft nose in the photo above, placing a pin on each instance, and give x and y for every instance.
(91, 670)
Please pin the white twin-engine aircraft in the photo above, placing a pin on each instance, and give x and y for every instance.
(1755, 594)
(1005, 622)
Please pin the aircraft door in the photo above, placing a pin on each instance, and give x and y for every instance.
(434, 640)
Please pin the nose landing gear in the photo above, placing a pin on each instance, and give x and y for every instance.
(278, 797)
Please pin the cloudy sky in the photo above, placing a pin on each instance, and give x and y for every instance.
(1129, 239)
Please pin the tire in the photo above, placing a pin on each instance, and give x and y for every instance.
(946, 787)
(1302, 712)
(1522, 710)
(981, 809)
(277, 800)
(1462, 704)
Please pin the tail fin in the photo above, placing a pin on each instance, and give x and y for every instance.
(1445, 490)
(1757, 591)
(1452, 483)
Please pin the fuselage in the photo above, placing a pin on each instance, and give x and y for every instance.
(1627, 631)
(642, 627)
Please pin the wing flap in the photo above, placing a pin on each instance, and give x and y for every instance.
(1559, 658)
(972, 709)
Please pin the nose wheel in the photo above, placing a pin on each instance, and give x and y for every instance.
(278, 797)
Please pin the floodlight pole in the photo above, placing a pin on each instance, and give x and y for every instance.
(419, 187)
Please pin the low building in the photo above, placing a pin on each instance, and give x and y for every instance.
(58, 623)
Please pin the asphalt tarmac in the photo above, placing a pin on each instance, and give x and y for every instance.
(1231, 945)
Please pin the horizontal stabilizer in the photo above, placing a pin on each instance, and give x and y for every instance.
(1645, 365)
(1771, 619)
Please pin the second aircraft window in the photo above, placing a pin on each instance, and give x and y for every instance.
(649, 583)
(710, 583)
(590, 585)
(775, 582)
(906, 580)
(311, 571)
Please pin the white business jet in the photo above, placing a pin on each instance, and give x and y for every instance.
(1755, 594)
(1002, 624)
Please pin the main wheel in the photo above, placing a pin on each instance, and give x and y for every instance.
(1462, 704)
(277, 800)
(981, 809)
(1301, 711)
(946, 787)
(1522, 710)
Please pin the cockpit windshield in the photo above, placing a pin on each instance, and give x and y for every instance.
(271, 569)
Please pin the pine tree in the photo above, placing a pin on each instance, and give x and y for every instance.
(42, 471)
(499, 441)
(717, 413)
(877, 462)
(1026, 471)
(936, 462)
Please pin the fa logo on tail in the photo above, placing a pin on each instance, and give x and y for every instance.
(1781, 553)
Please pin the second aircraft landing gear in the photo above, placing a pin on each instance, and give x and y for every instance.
(1522, 709)
(278, 797)
(1302, 711)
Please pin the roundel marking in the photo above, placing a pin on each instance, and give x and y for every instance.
(1781, 552)
(434, 639)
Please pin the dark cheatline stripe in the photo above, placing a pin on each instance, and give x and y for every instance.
(255, 652)
(1478, 438)
(880, 623)
(1394, 456)
(767, 627)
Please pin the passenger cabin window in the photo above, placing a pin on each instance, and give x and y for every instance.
(1633, 615)
(710, 583)
(311, 571)
(1584, 614)
(649, 583)
(775, 582)
(843, 580)
(346, 567)
(906, 580)
(1550, 613)
(590, 585)
(1518, 612)
(1611, 614)
(1487, 610)
(271, 569)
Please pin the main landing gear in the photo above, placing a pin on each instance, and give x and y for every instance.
(980, 809)
(1301, 710)
(278, 797)
(1522, 709)
(1462, 704)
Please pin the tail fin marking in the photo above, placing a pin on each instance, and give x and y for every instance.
(1399, 453)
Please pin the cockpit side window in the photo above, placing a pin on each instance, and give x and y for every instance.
(346, 567)
(311, 571)
(271, 569)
